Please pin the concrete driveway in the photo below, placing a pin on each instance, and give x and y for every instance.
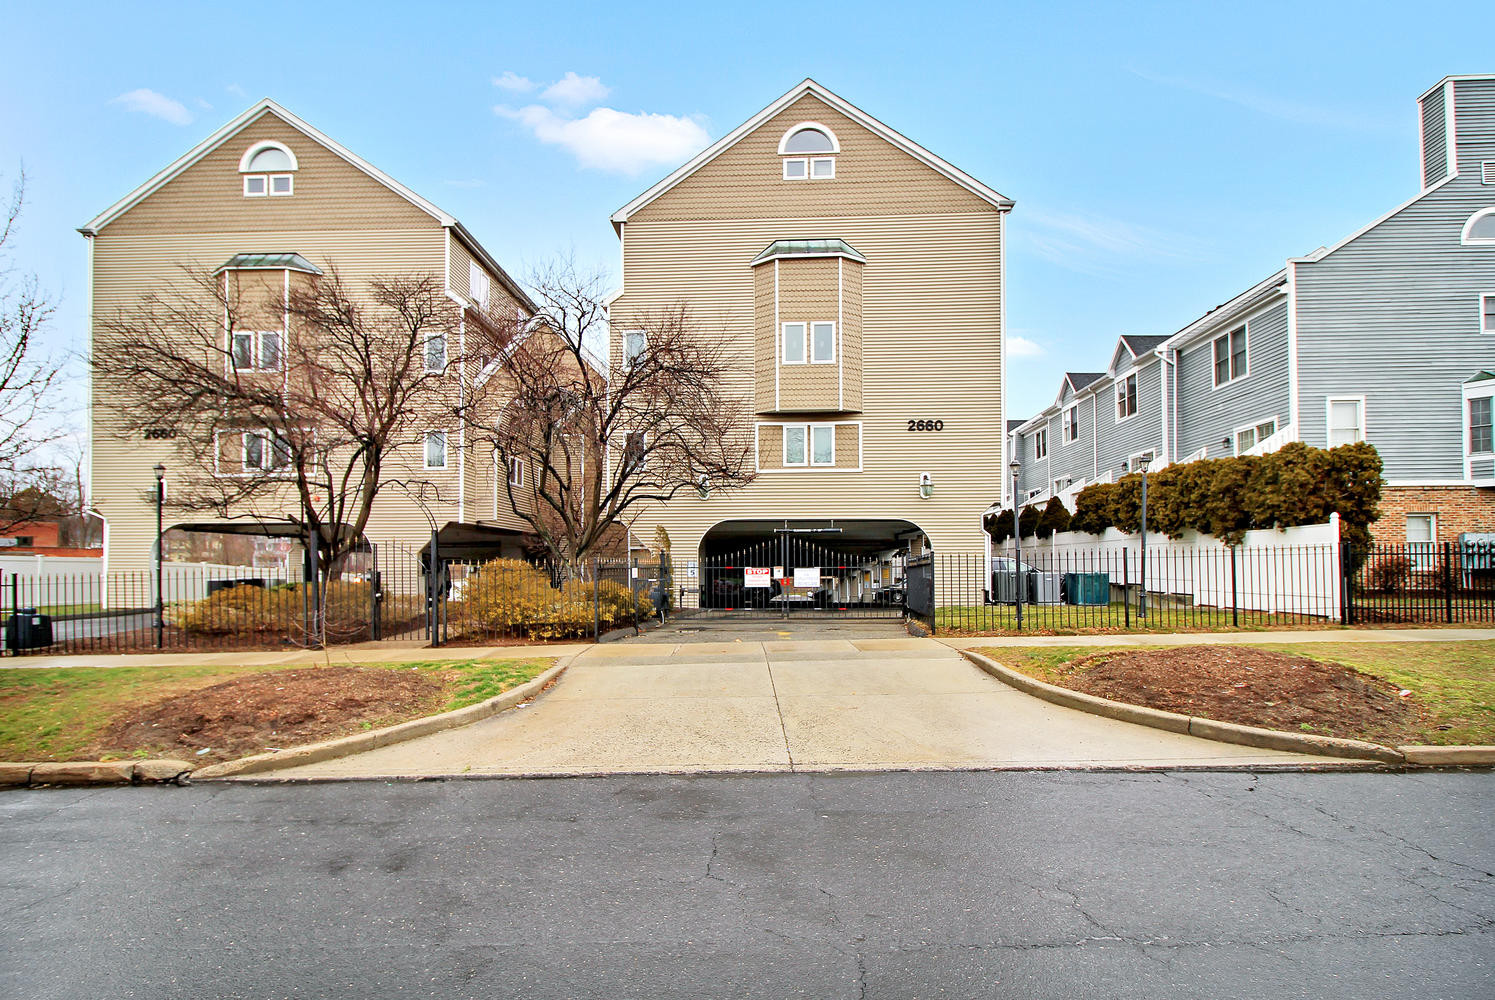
(783, 705)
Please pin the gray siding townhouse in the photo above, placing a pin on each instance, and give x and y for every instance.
(1388, 336)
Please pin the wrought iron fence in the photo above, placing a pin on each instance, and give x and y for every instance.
(1104, 589)
(1421, 583)
(385, 594)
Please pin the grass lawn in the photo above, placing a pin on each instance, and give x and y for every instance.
(1452, 683)
(1081, 619)
(51, 713)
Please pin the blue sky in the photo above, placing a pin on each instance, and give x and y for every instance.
(1162, 157)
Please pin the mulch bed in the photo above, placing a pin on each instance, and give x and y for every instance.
(270, 710)
(1253, 687)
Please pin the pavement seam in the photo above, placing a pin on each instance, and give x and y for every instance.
(778, 706)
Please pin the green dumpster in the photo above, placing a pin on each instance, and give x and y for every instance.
(1087, 588)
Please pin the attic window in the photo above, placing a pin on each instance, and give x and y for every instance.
(268, 170)
(1480, 229)
(809, 150)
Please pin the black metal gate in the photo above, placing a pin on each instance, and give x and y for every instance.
(793, 576)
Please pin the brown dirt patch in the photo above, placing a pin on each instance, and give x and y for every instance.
(1253, 687)
(274, 709)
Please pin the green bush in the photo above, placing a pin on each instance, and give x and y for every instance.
(1226, 497)
(999, 526)
(1055, 518)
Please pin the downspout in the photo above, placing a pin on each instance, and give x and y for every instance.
(1164, 409)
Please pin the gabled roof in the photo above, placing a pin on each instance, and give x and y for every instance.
(228, 131)
(1013, 425)
(1483, 376)
(808, 86)
(1079, 380)
(1140, 345)
(808, 248)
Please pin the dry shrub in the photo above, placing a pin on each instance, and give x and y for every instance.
(250, 610)
(511, 597)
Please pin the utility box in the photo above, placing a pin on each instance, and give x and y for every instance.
(1045, 588)
(1004, 585)
(1087, 588)
(28, 630)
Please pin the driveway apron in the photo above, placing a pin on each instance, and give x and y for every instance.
(782, 705)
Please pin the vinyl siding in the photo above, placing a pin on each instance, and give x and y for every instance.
(1434, 139)
(1394, 315)
(931, 349)
(1140, 432)
(1206, 414)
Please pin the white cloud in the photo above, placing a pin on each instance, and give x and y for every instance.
(148, 102)
(236, 90)
(575, 90)
(1022, 347)
(204, 105)
(1095, 244)
(513, 81)
(614, 140)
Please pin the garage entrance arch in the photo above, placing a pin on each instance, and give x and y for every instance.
(822, 569)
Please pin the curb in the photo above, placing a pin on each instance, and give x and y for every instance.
(345, 746)
(1209, 729)
(95, 772)
(1431, 756)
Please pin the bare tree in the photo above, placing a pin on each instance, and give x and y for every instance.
(29, 380)
(596, 449)
(308, 430)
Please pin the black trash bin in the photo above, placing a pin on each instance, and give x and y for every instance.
(28, 630)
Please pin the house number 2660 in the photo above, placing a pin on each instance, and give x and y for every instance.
(926, 425)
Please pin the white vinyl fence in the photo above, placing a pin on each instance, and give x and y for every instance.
(77, 583)
(1291, 570)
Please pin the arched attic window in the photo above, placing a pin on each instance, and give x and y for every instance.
(1480, 229)
(268, 170)
(809, 150)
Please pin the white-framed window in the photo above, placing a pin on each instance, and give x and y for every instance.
(263, 451)
(792, 351)
(809, 150)
(435, 351)
(256, 350)
(1487, 313)
(1060, 485)
(1422, 541)
(478, 287)
(1481, 432)
(1072, 424)
(1230, 356)
(435, 449)
(823, 343)
(636, 449)
(1126, 397)
(516, 471)
(1041, 443)
(1479, 230)
(1250, 436)
(634, 344)
(1134, 462)
(267, 168)
(822, 444)
(1346, 419)
(796, 444)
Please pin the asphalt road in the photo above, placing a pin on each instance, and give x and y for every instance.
(1015, 884)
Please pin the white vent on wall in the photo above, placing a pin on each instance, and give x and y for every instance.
(1487, 172)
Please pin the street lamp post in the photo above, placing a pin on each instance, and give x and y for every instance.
(160, 471)
(1142, 596)
(1017, 545)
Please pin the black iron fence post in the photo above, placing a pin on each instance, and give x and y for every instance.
(1126, 589)
(1347, 583)
(596, 600)
(1235, 614)
(1447, 583)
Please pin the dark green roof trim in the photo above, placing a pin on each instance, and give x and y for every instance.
(807, 248)
(1483, 376)
(269, 262)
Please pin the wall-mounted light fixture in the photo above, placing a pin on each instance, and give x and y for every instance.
(926, 485)
(703, 486)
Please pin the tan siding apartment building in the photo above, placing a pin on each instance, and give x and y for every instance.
(859, 279)
(268, 183)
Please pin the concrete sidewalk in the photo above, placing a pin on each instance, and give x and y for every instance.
(363, 652)
(864, 704)
(1227, 638)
